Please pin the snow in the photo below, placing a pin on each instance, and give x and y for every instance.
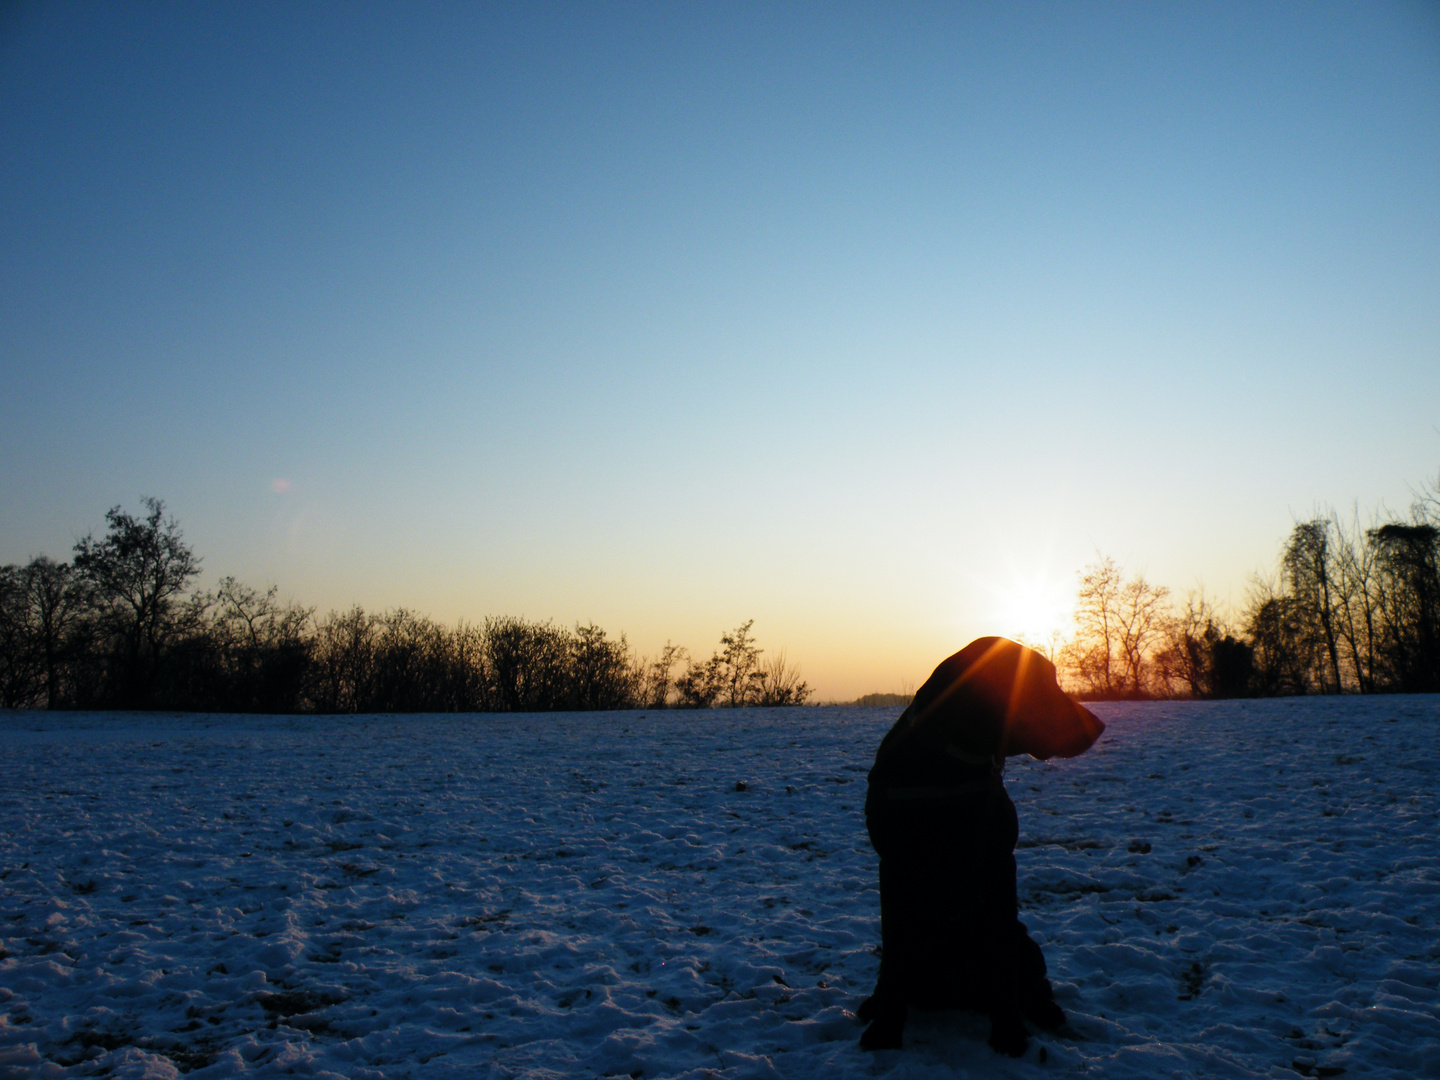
(1242, 889)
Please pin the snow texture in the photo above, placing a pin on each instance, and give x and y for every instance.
(1244, 889)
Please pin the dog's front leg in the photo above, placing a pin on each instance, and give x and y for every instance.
(885, 1009)
(888, 1024)
(1008, 1034)
(1001, 957)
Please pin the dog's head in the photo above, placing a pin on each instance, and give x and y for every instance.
(996, 696)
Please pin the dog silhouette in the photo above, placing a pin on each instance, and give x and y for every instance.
(945, 829)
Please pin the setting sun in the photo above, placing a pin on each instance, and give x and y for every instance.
(1035, 611)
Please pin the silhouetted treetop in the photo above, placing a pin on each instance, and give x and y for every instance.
(124, 626)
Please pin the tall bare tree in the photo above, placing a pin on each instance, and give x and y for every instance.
(1140, 619)
(59, 606)
(1282, 650)
(139, 571)
(1408, 558)
(18, 669)
(1091, 654)
(1357, 610)
(344, 661)
(1308, 573)
(1183, 661)
(1118, 626)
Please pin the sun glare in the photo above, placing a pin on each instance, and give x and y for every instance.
(1035, 611)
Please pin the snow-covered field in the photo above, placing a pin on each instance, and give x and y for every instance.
(1222, 890)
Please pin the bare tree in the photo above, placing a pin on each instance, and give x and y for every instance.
(1183, 662)
(1118, 624)
(1283, 658)
(18, 670)
(122, 626)
(1357, 608)
(527, 663)
(411, 669)
(469, 679)
(1140, 619)
(1308, 573)
(1427, 502)
(1202, 656)
(264, 647)
(344, 661)
(740, 661)
(59, 605)
(1408, 560)
(1090, 655)
(602, 675)
(139, 572)
(780, 683)
(659, 684)
(700, 684)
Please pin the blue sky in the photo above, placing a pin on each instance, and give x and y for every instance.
(857, 320)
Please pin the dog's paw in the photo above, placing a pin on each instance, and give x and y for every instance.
(1045, 1014)
(1008, 1035)
(883, 1033)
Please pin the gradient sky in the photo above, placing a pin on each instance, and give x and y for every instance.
(856, 320)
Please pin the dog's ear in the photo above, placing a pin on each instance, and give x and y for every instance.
(1041, 720)
(1063, 729)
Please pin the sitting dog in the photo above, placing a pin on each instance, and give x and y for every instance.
(945, 830)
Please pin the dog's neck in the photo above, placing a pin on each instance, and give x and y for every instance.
(995, 761)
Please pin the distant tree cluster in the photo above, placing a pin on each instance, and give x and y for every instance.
(122, 626)
(883, 700)
(1350, 609)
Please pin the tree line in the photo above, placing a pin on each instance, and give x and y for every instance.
(122, 625)
(1349, 608)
